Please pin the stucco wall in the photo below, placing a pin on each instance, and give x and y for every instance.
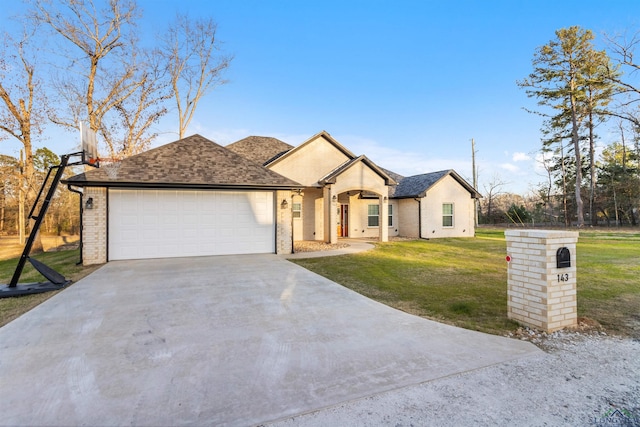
(360, 177)
(447, 190)
(94, 231)
(358, 219)
(310, 162)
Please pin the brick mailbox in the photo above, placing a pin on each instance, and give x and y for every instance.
(542, 278)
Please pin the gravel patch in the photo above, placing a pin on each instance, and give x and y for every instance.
(312, 246)
(582, 379)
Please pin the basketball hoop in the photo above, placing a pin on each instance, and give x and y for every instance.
(89, 144)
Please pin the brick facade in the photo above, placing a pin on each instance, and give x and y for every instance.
(540, 294)
(284, 223)
(94, 227)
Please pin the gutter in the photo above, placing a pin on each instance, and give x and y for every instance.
(111, 184)
(81, 219)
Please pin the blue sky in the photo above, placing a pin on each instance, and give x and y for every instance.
(407, 83)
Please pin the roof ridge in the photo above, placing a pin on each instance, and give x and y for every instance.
(194, 161)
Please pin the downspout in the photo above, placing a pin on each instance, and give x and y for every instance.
(293, 251)
(81, 219)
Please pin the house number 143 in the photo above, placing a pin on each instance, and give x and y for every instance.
(563, 277)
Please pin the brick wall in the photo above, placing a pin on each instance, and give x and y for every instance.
(94, 231)
(284, 228)
(541, 295)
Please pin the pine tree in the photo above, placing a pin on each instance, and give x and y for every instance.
(569, 78)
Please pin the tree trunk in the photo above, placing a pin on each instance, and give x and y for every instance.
(575, 138)
(564, 187)
(592, 173)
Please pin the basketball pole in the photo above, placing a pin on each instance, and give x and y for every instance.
(88, 156)
(64, 160)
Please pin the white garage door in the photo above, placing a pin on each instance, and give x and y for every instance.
(181, 223)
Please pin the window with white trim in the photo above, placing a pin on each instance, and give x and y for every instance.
(373, 215)
(297, 210)
(447, 214)
(390, 215)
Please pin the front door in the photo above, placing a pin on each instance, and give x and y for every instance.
(344, 221)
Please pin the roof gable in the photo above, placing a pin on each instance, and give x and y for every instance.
(418, 185)
(193, 162)
(323, 134)
(260, 149)
(333, 175)
(312, 160)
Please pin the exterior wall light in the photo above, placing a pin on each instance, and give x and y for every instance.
(89, 203)
(334, 198)
(284, 204)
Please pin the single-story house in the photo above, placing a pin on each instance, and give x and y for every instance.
(194, 197)
(345, 195)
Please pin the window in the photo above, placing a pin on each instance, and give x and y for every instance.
(373, 215)
(447, 214)
(297, 210)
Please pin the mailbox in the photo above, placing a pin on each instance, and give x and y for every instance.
(563, 258)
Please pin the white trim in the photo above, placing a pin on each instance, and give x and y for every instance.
(453, 215)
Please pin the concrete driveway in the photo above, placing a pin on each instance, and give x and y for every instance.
(232, 340)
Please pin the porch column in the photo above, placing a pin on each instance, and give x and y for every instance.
(330, 215)
(384, 219)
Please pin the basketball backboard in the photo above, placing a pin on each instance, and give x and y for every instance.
(89, 146)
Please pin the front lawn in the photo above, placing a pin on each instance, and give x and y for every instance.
(464, 281)
(458, 281)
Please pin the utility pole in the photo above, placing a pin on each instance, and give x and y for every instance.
(474, 174)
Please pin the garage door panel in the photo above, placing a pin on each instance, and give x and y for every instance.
(175, 223)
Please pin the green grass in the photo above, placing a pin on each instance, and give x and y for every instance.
(464, 281)
(63, 261)
(609, 280)
(457, 281)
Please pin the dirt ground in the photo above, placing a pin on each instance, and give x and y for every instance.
(10, 246)
(581, 379)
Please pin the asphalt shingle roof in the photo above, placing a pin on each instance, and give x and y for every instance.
(417, 185)
(260, 149)
(192, 162)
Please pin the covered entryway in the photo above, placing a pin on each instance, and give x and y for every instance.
(181, 223)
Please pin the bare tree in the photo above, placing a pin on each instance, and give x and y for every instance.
(22, 109)
(628, 92)
(10, 186)
(106, 77)
(492, 189)
(190, 49)
(131, 134)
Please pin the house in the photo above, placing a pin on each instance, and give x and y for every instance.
(345, 195)
(187, 198)
(434, 205)
(258, 195)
